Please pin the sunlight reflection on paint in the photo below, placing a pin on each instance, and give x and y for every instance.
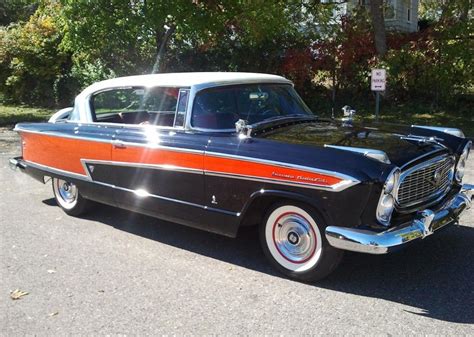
(141, 193)
(152, 135)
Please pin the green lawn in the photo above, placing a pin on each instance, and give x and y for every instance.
(463, 122)
(10, 115)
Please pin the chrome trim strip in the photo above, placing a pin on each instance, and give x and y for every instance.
(164, 167)
(58, 171)
(89, 180)
(421, 157)
(111, 141)
(347, 182)
(333, 188)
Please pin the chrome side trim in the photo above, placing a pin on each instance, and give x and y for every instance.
(164, 167)
(424, 224)
(89, 180)
(347, 182)
(58, 171)
(333, 188)
(111, 141)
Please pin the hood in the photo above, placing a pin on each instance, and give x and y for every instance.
(320, 133)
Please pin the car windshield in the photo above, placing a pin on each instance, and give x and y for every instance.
(219, 108)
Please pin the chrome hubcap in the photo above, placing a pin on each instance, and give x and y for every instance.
(67, 191)
(294, 238)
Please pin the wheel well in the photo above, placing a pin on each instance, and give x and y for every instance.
(254, 214)
(258, 208)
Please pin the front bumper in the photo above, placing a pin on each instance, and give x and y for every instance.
(423, 225)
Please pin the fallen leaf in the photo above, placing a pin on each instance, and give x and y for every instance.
(51, 271)
(17, 294)
(53, 313)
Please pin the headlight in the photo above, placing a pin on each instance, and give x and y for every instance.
(387, 199)
(461, 166)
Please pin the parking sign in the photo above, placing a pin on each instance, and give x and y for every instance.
(378, 80)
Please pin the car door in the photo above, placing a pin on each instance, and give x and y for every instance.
(158, 170)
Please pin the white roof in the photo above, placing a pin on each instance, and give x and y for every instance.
(200, 79)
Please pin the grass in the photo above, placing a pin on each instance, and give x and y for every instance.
(10, 115)
(403, 114)
(410, 115)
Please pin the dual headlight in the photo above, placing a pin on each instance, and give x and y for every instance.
(461, 166)
(387, 199)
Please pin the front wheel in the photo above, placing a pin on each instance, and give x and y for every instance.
(68, 197)
(292, 238)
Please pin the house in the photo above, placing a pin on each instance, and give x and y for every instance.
(400, 15)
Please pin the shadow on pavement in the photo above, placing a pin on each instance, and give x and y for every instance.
(436, 275)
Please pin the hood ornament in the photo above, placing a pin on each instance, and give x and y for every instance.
(243, 129)
(349, 114)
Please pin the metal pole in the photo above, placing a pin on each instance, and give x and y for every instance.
(377, 105)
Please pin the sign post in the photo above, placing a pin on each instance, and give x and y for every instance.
(378, 83)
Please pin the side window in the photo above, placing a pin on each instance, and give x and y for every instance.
(215, 109)
(108, 106)
(155, 106)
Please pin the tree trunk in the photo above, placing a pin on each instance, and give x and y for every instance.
(161, 44)
(378, 23)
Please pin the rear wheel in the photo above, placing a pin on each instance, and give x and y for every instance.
(292, 238)
(68, 197)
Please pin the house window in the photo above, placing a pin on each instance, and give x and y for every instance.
(389, 9)
(408, 8)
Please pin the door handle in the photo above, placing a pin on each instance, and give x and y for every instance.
(119, 145)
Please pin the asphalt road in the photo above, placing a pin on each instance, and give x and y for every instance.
(116, 272)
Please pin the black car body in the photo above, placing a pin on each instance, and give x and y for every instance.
(218, 151)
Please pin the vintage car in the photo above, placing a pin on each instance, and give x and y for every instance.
(219, 151)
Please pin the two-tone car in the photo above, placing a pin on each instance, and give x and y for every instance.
(219, 151)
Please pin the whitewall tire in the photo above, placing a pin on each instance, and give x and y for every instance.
(292, 237)
(68, 197)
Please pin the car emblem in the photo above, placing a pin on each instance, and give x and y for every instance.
(437, 177)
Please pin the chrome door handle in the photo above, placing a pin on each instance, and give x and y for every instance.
(119, 145)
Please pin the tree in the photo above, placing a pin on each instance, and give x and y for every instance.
(378, 24)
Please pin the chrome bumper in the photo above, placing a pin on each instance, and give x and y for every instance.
(423, 225)
(17, 162)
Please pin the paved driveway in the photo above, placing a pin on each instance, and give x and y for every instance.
(116, 272)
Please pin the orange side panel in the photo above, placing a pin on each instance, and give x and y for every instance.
(143, 155)
(62, 153)
(267, 171)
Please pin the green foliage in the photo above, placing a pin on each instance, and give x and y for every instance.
(50, 51)
(30, 59)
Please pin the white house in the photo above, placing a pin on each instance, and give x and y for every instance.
(400, 15)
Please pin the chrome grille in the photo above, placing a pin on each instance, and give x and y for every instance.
(425, 182)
